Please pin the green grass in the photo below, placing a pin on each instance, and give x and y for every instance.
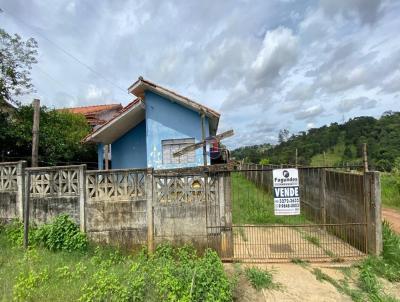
(312, 239)
(301, 262)
(390, 189)
(252, 205)
(388, 264)
(15, 263)
(107, 274)
(331, 158)
(365, 275)
(260, 279)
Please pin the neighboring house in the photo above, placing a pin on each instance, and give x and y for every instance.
(96, 115)
(151, 128)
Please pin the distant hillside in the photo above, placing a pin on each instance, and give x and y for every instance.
(334, 144)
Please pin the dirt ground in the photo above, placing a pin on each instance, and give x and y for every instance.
(277, 242)
(393, 216)
(297, 283)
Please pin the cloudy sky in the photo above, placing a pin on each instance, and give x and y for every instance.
(265, 65)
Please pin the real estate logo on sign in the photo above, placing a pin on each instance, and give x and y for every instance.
(286, 192)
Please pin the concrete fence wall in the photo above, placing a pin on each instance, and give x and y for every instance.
(125, 208)
(10, 194)
(116, 207)
(348, 203)
(53, 191)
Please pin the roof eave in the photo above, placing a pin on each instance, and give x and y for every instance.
(141, 85)
(95, 136)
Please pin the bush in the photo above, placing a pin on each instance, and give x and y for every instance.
(15, 232)
(169, 274)
(61, 234)
(27, 285)
(106, 287)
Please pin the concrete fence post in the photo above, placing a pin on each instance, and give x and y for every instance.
(372, 195)
(21, 188)
(26, 211)
(82, 197)
(149, 180)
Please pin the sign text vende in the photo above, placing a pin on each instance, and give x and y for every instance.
(286, 192)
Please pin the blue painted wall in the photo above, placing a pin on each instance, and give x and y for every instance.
(100, 156)
(129, 151)
(168, 120)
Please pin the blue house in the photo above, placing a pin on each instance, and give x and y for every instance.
(158, 123)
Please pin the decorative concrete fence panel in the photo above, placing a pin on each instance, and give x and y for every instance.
(54, 191)
(10, 200)
(193, 206)
(180, 205)
(116, 207)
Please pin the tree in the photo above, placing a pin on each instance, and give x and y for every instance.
(61, 133)
(283, 135)
(16, 59)
(341, 141)
(347, 153)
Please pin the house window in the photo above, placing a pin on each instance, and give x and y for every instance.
(170, 146)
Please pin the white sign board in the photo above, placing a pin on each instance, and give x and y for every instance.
(286, 192)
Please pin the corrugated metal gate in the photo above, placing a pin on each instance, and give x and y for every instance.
(333, 223)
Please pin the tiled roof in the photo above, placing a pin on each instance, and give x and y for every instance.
(116, 116)
(86, 110)
(189, 101)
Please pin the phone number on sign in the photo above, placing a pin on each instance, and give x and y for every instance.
(285, 200)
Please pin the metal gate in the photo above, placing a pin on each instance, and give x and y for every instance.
(332, 224)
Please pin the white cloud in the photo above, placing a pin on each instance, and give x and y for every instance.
(367, 10)
(309, 112)
(278, 51)
(347, 105)
(286, 65)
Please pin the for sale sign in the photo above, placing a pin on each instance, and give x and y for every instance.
(286, 192)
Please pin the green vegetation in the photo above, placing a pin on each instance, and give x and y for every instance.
(60, 235)
(340, 142)
(16, 60)
(367, 285)
(63, 271)
(390, 189)
(300, 262)
(312, 239)
(332, 157)
(61, 133)
(260, 279)
(252, 205)
(388, 265)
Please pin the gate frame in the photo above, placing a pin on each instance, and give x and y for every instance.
(372, 204)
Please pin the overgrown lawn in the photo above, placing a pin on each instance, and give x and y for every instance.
(47, 272)
(390, 188)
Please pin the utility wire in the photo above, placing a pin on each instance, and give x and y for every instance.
(54, 80)
(63, 50)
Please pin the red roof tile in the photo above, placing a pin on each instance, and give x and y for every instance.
(93, 109)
